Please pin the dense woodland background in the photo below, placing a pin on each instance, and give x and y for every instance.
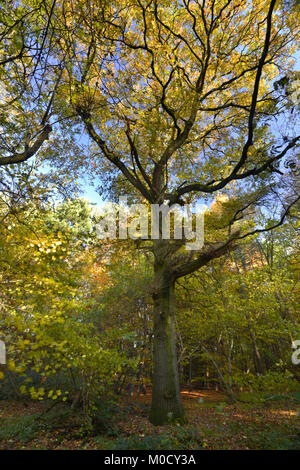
(87, 99)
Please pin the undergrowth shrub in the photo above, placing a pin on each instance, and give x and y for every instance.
(175, 439)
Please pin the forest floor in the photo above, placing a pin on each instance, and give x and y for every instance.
(213, 423)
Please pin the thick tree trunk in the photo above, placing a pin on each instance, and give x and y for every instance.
(166, 404)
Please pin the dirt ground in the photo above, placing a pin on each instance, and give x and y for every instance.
(220, 425)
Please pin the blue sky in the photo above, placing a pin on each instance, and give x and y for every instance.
(90, 193)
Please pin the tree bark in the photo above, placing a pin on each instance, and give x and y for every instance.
(258, 363)
(166, 404)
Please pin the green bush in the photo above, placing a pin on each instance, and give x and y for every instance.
(103, 417)
(273, 382)
(273, 439)
(21, 428)
(26, 428)
(176, 439)
(288, 397)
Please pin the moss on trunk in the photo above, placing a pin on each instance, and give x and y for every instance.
(166, 404)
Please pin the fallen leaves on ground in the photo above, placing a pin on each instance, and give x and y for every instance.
(221, 425)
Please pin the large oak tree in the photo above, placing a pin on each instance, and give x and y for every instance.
(178, 101)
